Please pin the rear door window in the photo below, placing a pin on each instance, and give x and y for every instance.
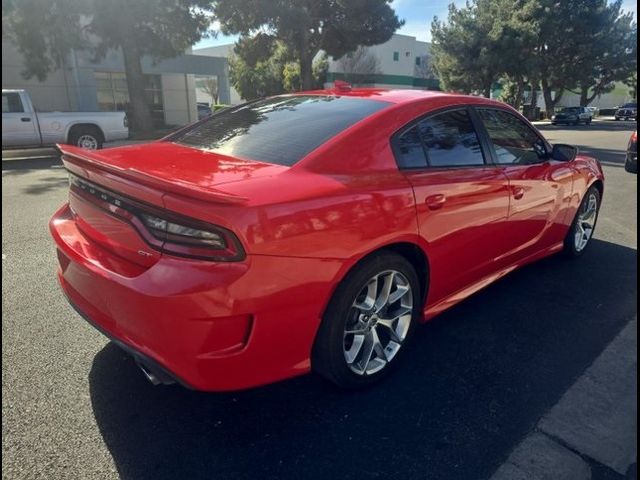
(447, 139)
(279, 130)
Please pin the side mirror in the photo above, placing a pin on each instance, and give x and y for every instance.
(564, 153)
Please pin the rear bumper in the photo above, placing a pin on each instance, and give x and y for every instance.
(145, 362)
(211, 326)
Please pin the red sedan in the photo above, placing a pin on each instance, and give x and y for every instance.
(311, 231)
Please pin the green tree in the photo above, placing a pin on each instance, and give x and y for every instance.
(257, 66)
(320, 70)
(308, 26)
(611, 55)
(46, 30)
(470, 48)
(555, 45)
(262, 66)
(559, 40)
(632, 83)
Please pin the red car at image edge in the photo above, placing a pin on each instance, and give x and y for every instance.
(311, 231)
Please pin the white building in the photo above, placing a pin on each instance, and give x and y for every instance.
(221, 51)
(403, 62)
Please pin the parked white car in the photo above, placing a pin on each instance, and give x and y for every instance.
(22, 126)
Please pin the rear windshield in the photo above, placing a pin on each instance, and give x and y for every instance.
(279, 130)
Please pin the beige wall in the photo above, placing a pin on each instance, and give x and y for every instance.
(50, 95)
(178, 92)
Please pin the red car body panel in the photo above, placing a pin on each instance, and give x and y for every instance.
(232, 325)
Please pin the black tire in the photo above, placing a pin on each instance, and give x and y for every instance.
(630, 167)
(328, 355)
(83, 135)
(570, 249)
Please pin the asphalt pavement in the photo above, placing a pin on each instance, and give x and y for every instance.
(474, 384)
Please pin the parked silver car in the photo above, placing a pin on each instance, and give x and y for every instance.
(573, 116)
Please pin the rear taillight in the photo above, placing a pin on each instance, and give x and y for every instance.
(164, 231)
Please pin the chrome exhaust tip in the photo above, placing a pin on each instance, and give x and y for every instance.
(154, 377)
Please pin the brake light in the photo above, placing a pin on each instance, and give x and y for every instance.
(162, 230)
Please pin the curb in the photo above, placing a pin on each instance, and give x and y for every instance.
(594, 423)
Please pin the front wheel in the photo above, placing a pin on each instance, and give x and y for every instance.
(368, 322)
(581, 230)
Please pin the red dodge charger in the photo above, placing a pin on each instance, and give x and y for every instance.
(311, 231)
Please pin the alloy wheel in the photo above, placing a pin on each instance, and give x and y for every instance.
(586, 222)
(378, 323)
(88, 141)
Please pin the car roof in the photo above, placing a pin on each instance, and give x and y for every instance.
(398, 96)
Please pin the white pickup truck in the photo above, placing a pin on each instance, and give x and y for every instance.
(22, 126)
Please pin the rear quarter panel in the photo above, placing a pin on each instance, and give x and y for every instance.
(301, 214)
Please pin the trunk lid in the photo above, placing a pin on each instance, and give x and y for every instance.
(173, 168)
(107, 185)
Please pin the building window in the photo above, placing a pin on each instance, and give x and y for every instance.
(396, 56)
(113, 94)
(407, 54)
(418, 61)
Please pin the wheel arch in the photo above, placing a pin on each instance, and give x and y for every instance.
(75, 126)
(599, 184)
(411, 251)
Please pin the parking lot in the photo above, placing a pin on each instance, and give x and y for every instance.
(474, 383)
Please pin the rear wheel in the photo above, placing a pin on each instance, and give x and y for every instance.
(368, 322)
(581, 231)
(87, 137)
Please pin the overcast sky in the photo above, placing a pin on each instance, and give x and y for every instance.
(417, 15)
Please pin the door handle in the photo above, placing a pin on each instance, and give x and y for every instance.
(434, 202)
(518, 192)
(25, 119)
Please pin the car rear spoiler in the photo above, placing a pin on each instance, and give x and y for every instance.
(95, 160)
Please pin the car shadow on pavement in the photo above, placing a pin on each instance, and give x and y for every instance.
(20, 167)
(473, 383)
(46, 185)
